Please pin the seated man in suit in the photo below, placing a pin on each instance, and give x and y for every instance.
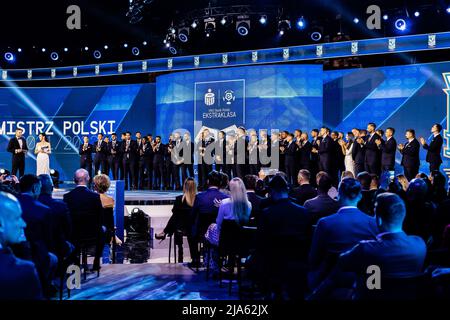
(60, 218)
(204, 212)
(322, 205)
(339, 232)
(38, 232)
(282, 241)
(304, 191)
(255, 200)
(86, 211)
(18, 278)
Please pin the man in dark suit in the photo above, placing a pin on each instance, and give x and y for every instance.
(61, 223)
(85, 152)
(18, 278)
(38, 231)
(86, 212)
(410, 155)
(204, 212)
(339, 232)
(128, 152)
(17, 146)
(388, 149)
(305, 190)
(289, 158)
(372, 152)
(255, 200)
(358, 152)
(114, 156)
(187, 152)
(434, 148)
(326, 148)
(101, 154)
(282, 241)
(314, 164)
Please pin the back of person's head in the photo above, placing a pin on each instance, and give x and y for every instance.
(189, 191)
(238, 195)
(29, 183)
(81, 177)
(349, 192)
(364, 179)
(46, 184)
(417, 190)
(277, 186)
(325, 183)
(223, 180)
(347, 174)
(214, 179)
(102, 183)
(304, 176)
(250, 182)
(390, 212)
(11, 223)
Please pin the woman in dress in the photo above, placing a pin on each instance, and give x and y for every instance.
(42, 150)
(347, 148)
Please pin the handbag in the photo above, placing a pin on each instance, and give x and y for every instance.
(212, 234)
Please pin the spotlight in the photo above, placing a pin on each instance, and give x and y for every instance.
(301, 23)
(385, 17)
(416, 14)
(355, 20)
(43, 50)
(125, 45)
(106, 47)
(400, 24)
(54, 56)
(97, 54)
(135, 51)
(316, 36)
(263, 20)
(194, 24)
(243, 27)
(9, 56)
(183, 34)
(66, 49)
(86, 48)
(283, 26)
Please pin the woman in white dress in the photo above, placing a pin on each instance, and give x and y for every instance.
(347, 148)
(43, 149)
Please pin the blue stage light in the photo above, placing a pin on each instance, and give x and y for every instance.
(9, 56)
(400, 24)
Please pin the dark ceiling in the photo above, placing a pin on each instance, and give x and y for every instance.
(42, 24)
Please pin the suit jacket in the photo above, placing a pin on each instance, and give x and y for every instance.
(434, 150)
(130, 153)
(302, 193)
(397, 255)
(103, 153)
(388, 149)
(86, 155)
(18, 278)
(340, 232)
(204, 211)
(372, 152)
(410, 152)
(321, 206)
(13, 145)
(86, 212)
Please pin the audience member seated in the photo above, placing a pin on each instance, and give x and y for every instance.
(38, 232)
(101, 186)
(304, 191)
(204, 212)
(60, 219)
(368, 193)
(255, 200)
(419, 211)
(18, 278)
(282, 242)
(86, 211)
(322, 205)
(339, 232)
(178, 223)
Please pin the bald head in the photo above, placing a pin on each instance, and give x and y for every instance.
(11, 222)
(81, 177)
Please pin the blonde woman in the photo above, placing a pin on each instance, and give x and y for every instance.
(42, 150)
(179, 221)
(403, 181)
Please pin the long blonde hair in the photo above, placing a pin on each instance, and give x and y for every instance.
(239, 200)
(189, 191)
